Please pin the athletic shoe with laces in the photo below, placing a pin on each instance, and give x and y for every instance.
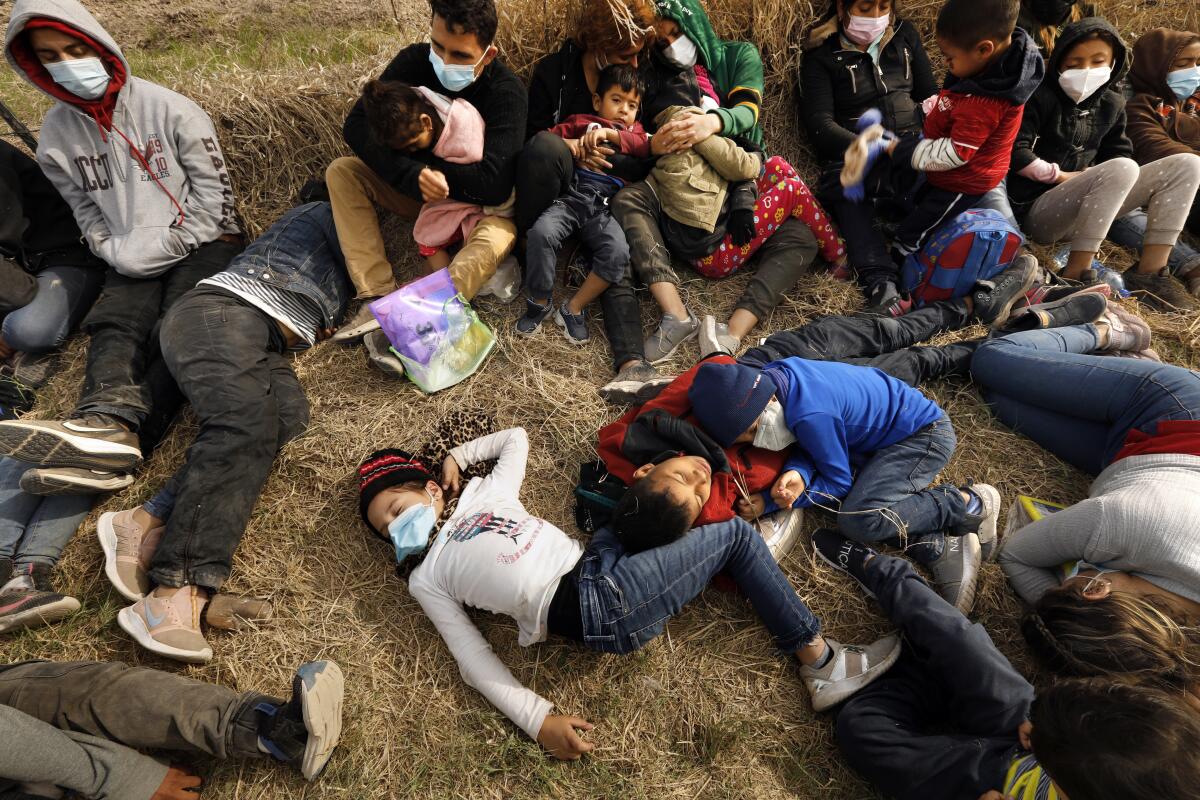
(47, 481)
(716, 338)
(669, 335)
(380, 355)
(850, 669)
(884, 300)
(305, 730)
(128, 550)
(358, 326)
(1051, 293)
(1126, 331)
(32, 370)
(995, 297)
(574, 326)
(1078, 308)
(956, 571)
(1159, 291)
(843, 554)
(535, 314)
(28, 600)
(92, 441)
(780, 530)
(983, 524)
(169, 625)
(635, 383)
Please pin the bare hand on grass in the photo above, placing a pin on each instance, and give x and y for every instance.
(560, 738)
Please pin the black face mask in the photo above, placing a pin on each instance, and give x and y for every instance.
(1051, 12)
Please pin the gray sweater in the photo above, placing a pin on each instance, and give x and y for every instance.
(35, 752)
(1142, 516)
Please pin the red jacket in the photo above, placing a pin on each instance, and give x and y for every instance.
(1170, 436)
(634, 141)
(982, 131)
(755, 468)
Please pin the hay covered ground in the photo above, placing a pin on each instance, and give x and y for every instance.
(708, 710)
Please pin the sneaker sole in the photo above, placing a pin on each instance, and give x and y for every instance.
(49, 448)
(354, 335)
(40, 615)
(36, 481)
(387, 364)
(1006, 310)
(133, 624)
(853, 687)
(966, 595)
(324, 687)
(695, 332)
(987, 533)
(108, 543)
(782, 546)
(838, 567)
(562, 323)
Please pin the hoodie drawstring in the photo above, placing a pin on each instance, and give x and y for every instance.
(137, 154)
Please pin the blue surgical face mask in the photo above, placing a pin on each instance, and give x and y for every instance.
(455, 77)
(410, 531)
(86, 78)
(1184, 82)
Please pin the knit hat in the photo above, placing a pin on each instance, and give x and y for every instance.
(384, 469)
(727, 398)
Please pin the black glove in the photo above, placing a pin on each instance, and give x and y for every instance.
(740, 226)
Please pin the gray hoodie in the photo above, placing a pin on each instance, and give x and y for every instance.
(141, 211)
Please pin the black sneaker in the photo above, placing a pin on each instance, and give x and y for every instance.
(305, 730)
(637, 382)
(956, 571)
(28, 600)
(574, 325)
(842, 554)
(884, 300)
(535, 314)
(995, 297)
(1159, 291)
(1078, 308)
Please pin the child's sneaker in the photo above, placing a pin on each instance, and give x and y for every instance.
(535, 314)
(884, 300)
(47, 481)
(1126, 331)
(670, 333)
(169, 625)
(716, 338)
(574, 325)
(982, 517)
(780, 530)
(637, 382)
(956, 571)
(1159, 290)
(305, 730)
(358, 326)
(29, 600)
(380, 355)
(842, 554)
(1079, 308)
(128, 550)
(850, 669)
(995, 297)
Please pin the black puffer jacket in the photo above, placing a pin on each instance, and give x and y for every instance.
(837, 84)
(1074, 136)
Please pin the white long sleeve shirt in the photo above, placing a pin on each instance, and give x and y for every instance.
(494, 555)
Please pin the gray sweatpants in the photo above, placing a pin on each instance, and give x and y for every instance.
(1083, 208)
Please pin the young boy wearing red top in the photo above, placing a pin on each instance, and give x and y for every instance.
(970, 124)
(613, 130)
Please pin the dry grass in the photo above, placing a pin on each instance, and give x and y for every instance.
(706, 711)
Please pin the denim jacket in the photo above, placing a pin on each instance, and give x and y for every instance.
(300, 253)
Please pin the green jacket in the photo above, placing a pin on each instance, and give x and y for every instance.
(735, 69)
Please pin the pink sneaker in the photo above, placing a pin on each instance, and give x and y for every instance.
(127, 552)
(169, 625)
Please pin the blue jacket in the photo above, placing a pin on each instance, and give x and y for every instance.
(841, 414)
(300, 253)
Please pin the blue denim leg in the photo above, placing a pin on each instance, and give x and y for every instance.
(626, 599)
(64, 295)
(162, 503)
(35, 529)
(1128, 231)
(892, 489)
(1080, 407)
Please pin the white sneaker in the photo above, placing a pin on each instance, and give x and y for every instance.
(781, 530)
(358, 326)
(850, 669)
(988, 540)
(716, 338)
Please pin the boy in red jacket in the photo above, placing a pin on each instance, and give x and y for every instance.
(584, 208)
(964, 149)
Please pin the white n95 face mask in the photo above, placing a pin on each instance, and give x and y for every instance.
(772, 432)
(86, 78)
(1080, 84)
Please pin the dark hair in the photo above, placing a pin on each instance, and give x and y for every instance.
(1113, 741)
(622, 75)
(1091, 36)
(647, 517)
(966, 23)
(1122, 636)
(394, 111)
(468, 16)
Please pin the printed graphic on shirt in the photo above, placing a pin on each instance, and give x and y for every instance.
(94, 173)
(521, 534)
(154, 163)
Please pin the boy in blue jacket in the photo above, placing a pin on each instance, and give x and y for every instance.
(866, 439)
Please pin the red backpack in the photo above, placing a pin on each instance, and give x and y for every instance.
(972, 247)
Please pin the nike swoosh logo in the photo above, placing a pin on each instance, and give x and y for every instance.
(74, 426)
(154, 620)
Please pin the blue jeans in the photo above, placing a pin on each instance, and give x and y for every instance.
(626, 599)
(1128, 231)
(1079, 407)
(64, 295)
(893, 487)
(33, 529)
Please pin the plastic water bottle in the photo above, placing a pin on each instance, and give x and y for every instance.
(1109, 276)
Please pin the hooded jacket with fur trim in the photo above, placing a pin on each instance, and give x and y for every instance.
(141, 167)
(1159, 124)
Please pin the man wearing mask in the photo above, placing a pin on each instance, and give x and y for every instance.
(459, 61)
(142, 170)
